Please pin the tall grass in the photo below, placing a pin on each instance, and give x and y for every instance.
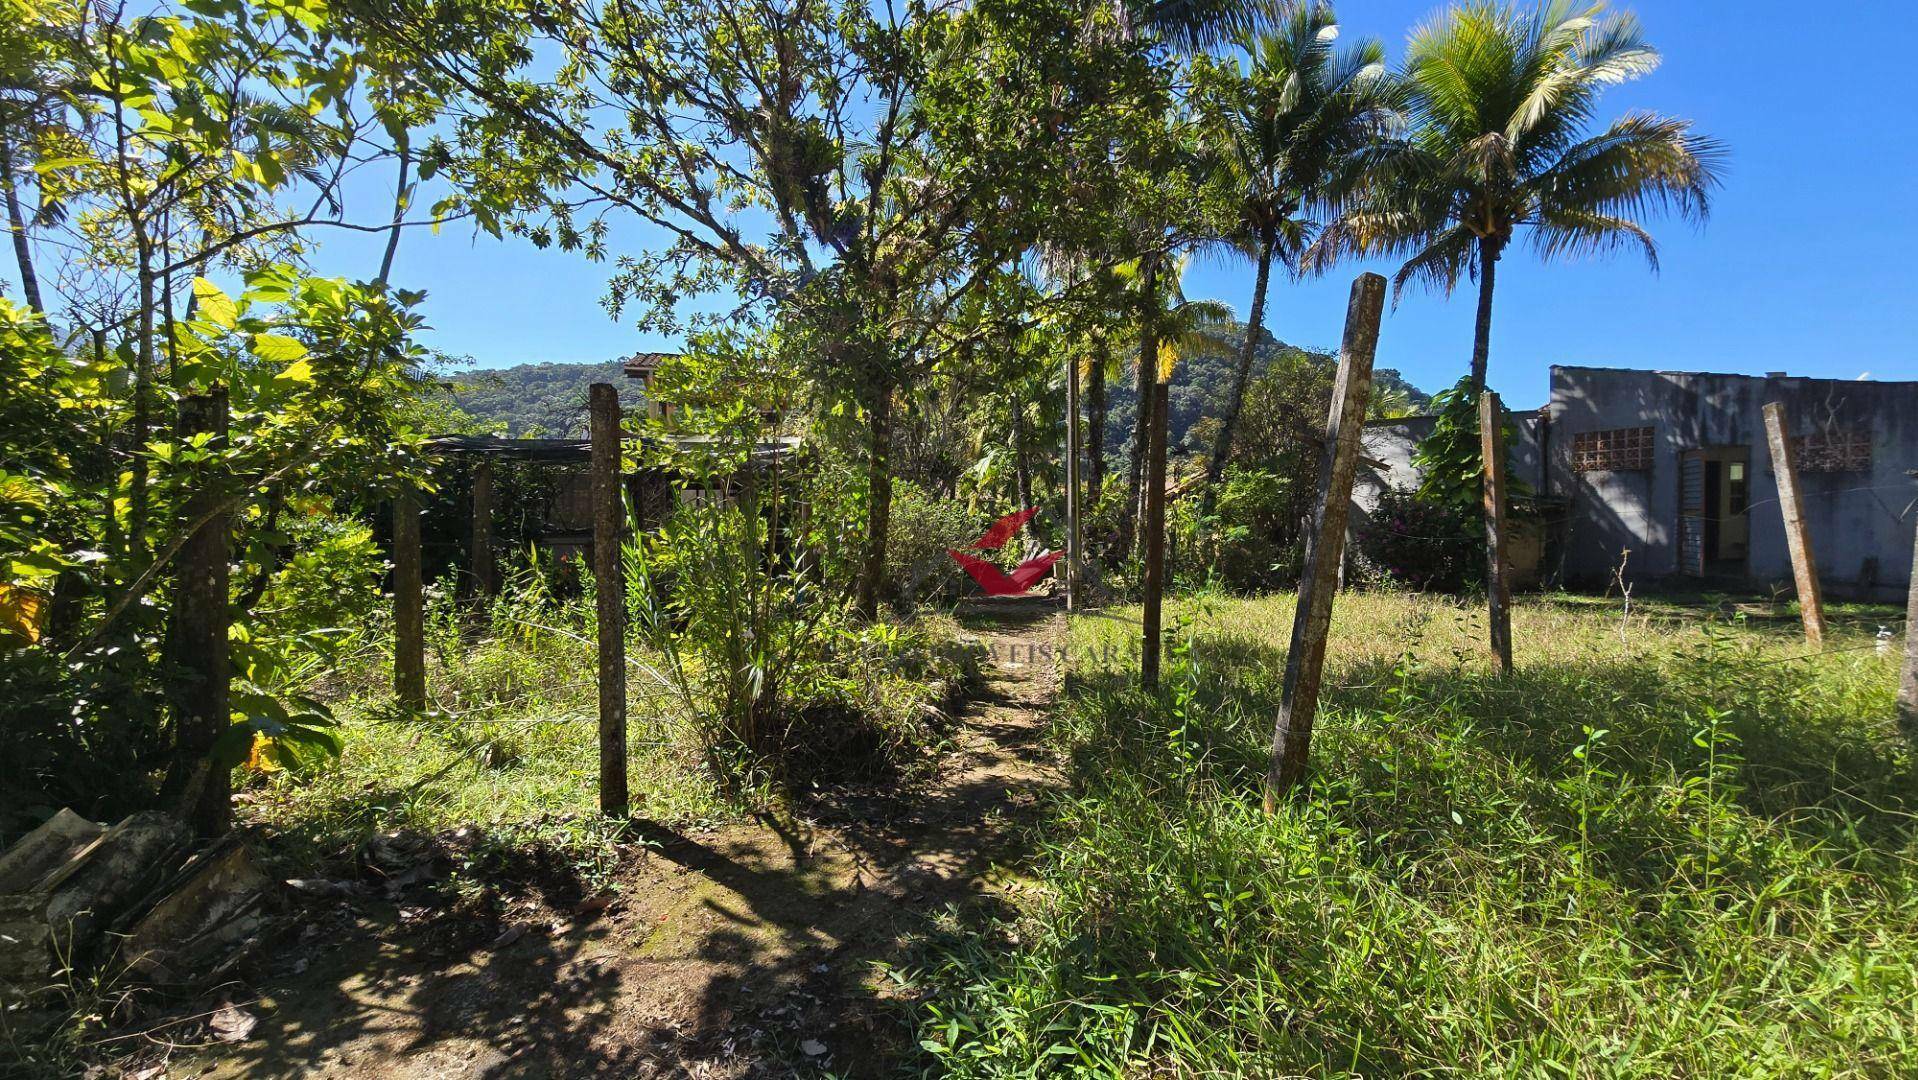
(509, 742)
(1659, 849)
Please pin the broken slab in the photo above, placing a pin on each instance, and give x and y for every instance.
(53, 923)
(208, 914)
(46, 849)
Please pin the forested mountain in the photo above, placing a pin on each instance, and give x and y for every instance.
(1202, 382)
(550, 399)
(536, 399)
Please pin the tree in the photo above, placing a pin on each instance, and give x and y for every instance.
(169, 141)
(1283, 140)
(855, 168)
(1501, 101)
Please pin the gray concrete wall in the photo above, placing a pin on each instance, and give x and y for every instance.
(1389, 445)
(1861, 544)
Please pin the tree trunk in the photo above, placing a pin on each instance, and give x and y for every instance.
(1488, 252)
(878, 500)
(1248, 351)
(142, 412)
(1142, 422)
(17, 224)
(1022, 469)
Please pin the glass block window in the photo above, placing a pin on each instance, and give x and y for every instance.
(1834, 451)
(1617, 450)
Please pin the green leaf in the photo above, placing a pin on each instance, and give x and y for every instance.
(280, 349)
(215, 305)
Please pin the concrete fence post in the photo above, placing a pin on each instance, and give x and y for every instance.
(610, 582)
(1804, 564)
(1498, 585)
(1325, 543)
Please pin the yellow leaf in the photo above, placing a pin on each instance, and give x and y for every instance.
(216, 305)
(21, 613)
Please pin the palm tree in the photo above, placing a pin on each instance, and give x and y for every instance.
(1501, 101)
(1283, 138)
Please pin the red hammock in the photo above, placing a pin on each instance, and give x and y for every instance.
(997, 582)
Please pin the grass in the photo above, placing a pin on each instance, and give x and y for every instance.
(1665, 846)
(510, 743)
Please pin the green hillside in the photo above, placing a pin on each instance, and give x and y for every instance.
(535, 399)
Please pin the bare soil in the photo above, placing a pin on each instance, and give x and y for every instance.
(754, 950)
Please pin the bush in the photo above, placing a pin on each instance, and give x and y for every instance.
(1423, 544)
(923, 526)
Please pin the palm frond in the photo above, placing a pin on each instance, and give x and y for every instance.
(1448, 256)
(1574, 234)
(1643, 163)
(1197, 25)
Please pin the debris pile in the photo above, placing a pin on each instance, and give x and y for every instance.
(140, 895)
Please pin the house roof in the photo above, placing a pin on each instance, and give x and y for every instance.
(641, 364)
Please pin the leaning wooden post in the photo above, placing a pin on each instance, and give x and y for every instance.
(1325, 544)
(1498, 583)
(1072, 484)
(1908, 682)
(610, 583)
(1804, 564)
(485, 568)
(201, 618)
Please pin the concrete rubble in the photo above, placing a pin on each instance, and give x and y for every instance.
(139, 896)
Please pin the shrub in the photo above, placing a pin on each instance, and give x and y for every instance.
(1423, 544)
(923, 526)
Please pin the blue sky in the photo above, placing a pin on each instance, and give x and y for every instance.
(1809, 264)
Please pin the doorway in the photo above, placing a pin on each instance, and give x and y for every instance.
(1714, 523)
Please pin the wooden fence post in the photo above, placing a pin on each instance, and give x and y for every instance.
(1151, 644)
(1804, 564)
(1072, 484)
(409, 604)
(201, 617)
(1498, 584)
(610, 583)
(485, 567)
(1908, 682)
(1325, 544)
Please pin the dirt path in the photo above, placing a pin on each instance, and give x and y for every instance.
(755, 950)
